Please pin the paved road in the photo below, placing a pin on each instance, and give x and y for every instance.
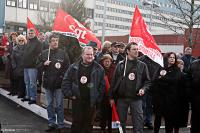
(15, 119)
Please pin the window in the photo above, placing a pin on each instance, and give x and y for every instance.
(90, 13)
(53, 7)
(11, 3)
(44, 6)
(33, 4)
(22, 3)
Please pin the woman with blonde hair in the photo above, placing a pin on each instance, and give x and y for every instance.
(17, 65)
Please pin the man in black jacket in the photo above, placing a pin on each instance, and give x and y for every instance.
(187, 59)
(130, 82)
(195, 95)
(84, 84)
(53, 62)
(31, 52)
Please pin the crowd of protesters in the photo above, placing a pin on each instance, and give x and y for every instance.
(117, 74)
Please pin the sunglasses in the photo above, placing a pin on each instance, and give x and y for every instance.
(21, 40)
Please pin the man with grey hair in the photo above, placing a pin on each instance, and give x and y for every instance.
(84, 84)
(31, 53)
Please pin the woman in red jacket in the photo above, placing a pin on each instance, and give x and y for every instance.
(3, 45)
(106, 110)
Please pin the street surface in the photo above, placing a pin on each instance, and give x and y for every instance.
(16, 119)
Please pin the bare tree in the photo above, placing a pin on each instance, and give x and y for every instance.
(76, 8)
(188, 17)
(46, 19)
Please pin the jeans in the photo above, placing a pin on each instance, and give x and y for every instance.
(58, 109)
(30, 79)
(147, 108)
(136, 111)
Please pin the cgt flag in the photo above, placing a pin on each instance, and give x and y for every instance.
(67, 25)
(115, 119)
(141, 35)
(31, 25)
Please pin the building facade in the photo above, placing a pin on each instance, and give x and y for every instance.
(15, 13)
(2, 16)
(119, 14)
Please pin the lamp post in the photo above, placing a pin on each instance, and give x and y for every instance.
(152, 5)
(104, 22)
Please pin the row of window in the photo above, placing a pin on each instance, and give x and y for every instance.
(165, 26)
(33, 4)
(160, 4)
(128, 27)
(113, 26)
(114, 18)
(114, 10)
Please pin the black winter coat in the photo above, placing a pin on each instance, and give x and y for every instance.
(168, 96)
(17, 60)
(31, 53)
(53, 73)
(195, 85)
(151, 65)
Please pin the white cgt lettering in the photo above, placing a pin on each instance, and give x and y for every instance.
(80, 33)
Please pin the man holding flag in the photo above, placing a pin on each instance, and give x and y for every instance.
(141, 35)
(130, 82)
(53, 62)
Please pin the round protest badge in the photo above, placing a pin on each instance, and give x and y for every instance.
(58, 65)
(163, 72)
(83, 79)
(131, 76)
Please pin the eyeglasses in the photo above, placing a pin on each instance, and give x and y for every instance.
(21, 40)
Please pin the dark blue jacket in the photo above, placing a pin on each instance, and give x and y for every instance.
(70, 84)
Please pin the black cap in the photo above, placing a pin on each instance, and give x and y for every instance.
(92, 44)
(115, 44)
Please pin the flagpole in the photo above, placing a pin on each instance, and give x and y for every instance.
(104, 22)
(125, 66)
(48, 53)
(115, 119)
(120, 129)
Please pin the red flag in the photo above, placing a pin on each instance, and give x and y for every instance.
(141, 35)
(31, 25)
(67, 25)
(115, 119)
(107, 85)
